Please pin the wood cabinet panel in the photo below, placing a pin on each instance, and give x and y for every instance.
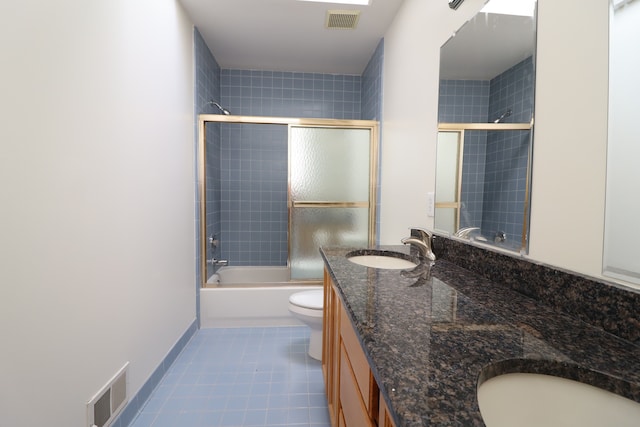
(353, 408)
(384, 418)
(359, 363)
(331, 349)
(352, 393)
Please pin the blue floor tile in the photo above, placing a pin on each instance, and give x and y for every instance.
(237, 377)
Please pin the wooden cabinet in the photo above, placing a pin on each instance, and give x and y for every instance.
(331, 349)
(352, 393)
(384, 418)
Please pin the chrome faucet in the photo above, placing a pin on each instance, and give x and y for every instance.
(465, 232)
(218, 262)
(421, 239)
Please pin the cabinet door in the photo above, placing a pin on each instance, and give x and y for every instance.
(331, 349)
(384, 418)
(352, 392)
(353, 408)
(359, 364)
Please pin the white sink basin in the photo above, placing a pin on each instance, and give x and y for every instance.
(391, 261)
(528, 400)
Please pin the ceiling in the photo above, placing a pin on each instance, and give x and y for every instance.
(289, 35)
(486, 46)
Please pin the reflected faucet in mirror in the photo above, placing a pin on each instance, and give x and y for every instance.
(465, 233)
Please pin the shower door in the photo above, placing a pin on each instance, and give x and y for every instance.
(331, 193)
(448, 180)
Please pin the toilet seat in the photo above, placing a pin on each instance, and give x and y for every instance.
(313, 300)
(307, 303)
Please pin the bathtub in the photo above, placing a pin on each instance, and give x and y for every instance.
(250, 296)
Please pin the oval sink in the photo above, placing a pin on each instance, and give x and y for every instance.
(527, 400)
(382, 259)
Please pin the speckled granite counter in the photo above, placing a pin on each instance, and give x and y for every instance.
(430, 341)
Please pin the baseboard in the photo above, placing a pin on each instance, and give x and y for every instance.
(136, 403)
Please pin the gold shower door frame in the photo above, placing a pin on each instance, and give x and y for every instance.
(304, 258)
(371, 125)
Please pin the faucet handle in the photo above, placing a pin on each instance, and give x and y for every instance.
(423, 245)
(421, 233)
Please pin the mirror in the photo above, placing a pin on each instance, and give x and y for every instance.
(623, 175)
(485, 123)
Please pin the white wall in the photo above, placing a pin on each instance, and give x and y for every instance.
(410, 111)
(568, 185)
(96, 182)
(570, 140)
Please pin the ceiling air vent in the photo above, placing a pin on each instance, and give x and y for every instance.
(342, 19)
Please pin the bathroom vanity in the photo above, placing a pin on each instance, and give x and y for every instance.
(411, 351)
(353, 395)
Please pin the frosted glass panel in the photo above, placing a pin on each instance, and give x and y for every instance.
(316, 227)
(447, 167)
(329, 164)
(622, 233)
(445, 220)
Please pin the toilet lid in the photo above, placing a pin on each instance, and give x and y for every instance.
(308, 299)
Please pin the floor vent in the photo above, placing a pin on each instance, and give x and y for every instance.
(107, 403)
(342, 19)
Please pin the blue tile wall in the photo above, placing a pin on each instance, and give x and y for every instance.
(207, 88)
(372, 85)
(463, 101)
(467, 101)
(492, 158)
(291, 94)
(513, 90)
(254, 177)
(507, 152)
(505, 184)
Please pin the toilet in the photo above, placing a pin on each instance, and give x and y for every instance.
(306, 306)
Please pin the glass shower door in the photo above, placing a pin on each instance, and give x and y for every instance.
(331, 194)
(448, 181)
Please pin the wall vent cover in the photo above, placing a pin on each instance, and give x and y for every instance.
(342, 19)
(107, 403)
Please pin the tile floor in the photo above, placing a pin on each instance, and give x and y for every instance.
(240, 377)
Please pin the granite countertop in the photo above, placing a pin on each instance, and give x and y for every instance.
(431, 339)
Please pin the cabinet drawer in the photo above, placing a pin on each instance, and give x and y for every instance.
(356, 357)
(352, 407)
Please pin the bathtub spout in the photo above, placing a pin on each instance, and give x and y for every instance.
(218, 262)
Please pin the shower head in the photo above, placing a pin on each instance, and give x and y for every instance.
(502, 117)
(222, 110)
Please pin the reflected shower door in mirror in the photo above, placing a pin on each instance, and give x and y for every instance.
(487, 76)
(448, 179)
(622, 233)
